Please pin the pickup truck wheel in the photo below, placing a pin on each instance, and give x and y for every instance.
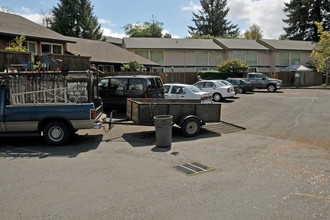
(191, 127)
(271, 88)
(217, 97)
(56, 133)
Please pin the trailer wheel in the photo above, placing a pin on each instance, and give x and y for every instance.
(191, 127)
(56, 133)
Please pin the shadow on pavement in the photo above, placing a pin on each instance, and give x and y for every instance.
(146, 138)
(25, 147)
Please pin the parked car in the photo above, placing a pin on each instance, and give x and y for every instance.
(218, 90)
(114, 90)
(242, 84)
(229, 84)
(184, 91)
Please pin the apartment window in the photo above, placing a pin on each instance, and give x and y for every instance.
(215, 58)
(201, 58)
(142, 53)
(248, 56)
(289, 58)
(51, 48)
(31, 47)
(107, 68)
(295, 57)
(157, 56)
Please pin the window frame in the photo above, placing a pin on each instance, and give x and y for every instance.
(51, 48)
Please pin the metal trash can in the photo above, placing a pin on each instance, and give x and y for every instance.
(163, 125)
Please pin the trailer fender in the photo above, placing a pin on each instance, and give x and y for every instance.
(185, 117)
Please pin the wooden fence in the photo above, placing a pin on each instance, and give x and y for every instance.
(181, 77)
(21, 61)
(304, 78)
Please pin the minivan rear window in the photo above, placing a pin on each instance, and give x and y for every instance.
(151, 83)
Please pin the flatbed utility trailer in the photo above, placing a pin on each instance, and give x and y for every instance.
(190, 115)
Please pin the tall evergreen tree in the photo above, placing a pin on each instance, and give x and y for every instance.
(75, 18)
(301, 15)
(211, 20)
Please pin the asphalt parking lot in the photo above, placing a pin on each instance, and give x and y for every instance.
(268, 159)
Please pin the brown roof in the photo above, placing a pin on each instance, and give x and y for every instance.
(239, 44)
(15, 25)
(101, 51)
(288, 44)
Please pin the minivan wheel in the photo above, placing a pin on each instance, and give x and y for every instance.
(217, 97)
(271, 88)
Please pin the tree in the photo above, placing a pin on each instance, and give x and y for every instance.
(301, 15)
(212, 20)
(253, 33)
(75, 18)
(233, 66)
(131, 66)
(145, 29)
(321, 53)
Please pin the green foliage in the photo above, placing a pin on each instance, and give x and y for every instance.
(300, 17)
(198, 36)
(253, 33)
(321, 53)
(233, 66)
(211, 20)
(17, 45)
(145, 29)
(75, 18)
(132, 66)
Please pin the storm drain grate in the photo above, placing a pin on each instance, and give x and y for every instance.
(223, 127)
(192, 168)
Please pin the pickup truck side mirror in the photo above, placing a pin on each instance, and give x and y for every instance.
(263, 78)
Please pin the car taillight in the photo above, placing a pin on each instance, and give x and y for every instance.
(228, 90)
(250, 85)
(202, 98)
(93, 114)
(145, 95)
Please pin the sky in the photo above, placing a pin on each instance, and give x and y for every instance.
(175, 15)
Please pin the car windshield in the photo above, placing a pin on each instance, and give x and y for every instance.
(194, 89)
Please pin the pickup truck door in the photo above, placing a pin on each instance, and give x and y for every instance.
(259, 81)
(20, 118)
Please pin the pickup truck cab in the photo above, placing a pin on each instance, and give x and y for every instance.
(56, 122)
(261, 81)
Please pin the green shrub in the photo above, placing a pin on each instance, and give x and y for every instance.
(214, 75)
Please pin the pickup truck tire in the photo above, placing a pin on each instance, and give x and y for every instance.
(217, 97)
(56, 133)
(271, 88)
(191, 127)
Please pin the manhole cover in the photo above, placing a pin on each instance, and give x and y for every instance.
(192, 168)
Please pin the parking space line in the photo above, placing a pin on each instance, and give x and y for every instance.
(309, 195)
